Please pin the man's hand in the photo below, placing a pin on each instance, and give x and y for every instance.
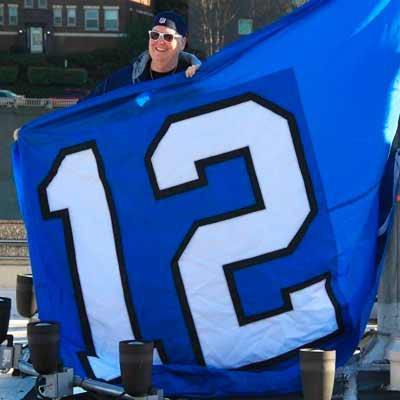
(191, 71)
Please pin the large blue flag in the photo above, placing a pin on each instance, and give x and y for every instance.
(232, 218)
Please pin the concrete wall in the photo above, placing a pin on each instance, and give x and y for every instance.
(10, 120)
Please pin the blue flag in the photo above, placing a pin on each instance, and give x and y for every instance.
(232, 218)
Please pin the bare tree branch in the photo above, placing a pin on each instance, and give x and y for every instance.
(213, 22)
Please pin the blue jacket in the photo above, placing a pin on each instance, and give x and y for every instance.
(131, 73)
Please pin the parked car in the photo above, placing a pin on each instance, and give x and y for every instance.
(7, 94)
(9, 98)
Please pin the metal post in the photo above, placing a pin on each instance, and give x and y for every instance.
(389, 291)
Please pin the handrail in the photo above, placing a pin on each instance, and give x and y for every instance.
(21, 101)
(13, 241)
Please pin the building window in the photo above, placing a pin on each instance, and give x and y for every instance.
(92, 19)
(42, 3)
(245, 26)
(111, 19)
(28, 3)
(1, 14)
(12, 14)
(71, 16)
(57, 15)
(144, 2)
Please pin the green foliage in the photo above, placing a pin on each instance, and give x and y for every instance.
(8, 74)
(179, 6)
(47, 80)
(45, 76)
(23, 60)
(91, 61)
(39, 76)
(137, 34)
(45, 92)
(68, 76)
(101, 62)
(98, 63)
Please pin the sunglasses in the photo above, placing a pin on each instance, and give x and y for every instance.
(167, 37)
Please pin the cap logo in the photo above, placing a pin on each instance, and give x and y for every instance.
(163, 20)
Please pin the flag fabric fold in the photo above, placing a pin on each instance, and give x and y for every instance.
(232, 218)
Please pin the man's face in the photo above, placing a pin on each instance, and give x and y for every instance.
(165, 52)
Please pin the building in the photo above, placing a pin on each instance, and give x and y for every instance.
(66, 26)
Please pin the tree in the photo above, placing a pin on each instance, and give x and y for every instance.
(137, 33)
(179, 6)
(264, 12)
(213, 23)
(212, 19)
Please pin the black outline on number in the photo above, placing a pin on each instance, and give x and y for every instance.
(229, 269)
(64, 216)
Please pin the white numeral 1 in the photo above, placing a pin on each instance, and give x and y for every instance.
(77, 189)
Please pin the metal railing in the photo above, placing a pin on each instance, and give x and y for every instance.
(21, 101)
(7, 102)
(24, 102)
(55, 103)
(14, 242)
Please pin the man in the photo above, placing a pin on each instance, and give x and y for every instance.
(165, 56)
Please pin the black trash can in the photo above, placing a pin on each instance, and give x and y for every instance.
(44, 343)
(26, 302)
(136, 362)
(5, 309)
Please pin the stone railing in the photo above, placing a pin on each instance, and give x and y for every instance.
(21, 101)
(13, 243)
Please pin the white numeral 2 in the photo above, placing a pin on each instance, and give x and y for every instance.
(178, 160)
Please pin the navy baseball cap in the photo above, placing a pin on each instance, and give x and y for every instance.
(171, 20)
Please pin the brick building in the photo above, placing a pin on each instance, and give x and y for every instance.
(66, 26)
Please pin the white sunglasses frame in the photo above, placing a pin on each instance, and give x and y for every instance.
(161, 37)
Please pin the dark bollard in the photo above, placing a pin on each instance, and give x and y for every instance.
(43, 341)
(5, 309)
(26, 302)
(136, 361)
(317, 373)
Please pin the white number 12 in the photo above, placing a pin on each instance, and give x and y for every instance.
(203, 267)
